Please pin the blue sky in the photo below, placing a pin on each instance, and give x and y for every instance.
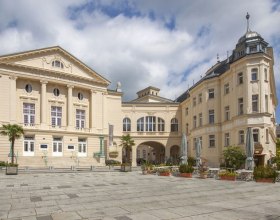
(169, 44)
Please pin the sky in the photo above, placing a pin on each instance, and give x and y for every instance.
(167, 44)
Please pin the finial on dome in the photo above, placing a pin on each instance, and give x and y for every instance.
(119, 87)
(248, 17)
(218, 58)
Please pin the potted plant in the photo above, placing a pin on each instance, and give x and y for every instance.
(186, 170)
(11, 169)
(126, 167)
(203, 171)
(164, 172)
(227, 175)
(127, 143)
(265, 174)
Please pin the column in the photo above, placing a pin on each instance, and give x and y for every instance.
(13, 99)
(43, 103)
(70, 106)
(134, 156)
(91, 116)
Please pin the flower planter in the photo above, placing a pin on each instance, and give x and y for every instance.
(164, 174)
(230, 178)
(203, 175)
(265, 180)
(126, 168)
(187, 175)
(11, 170)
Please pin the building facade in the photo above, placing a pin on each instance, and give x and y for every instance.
(71, 118)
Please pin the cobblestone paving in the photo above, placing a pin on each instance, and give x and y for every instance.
(132, 196)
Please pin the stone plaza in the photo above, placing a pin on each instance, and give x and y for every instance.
(113, 195)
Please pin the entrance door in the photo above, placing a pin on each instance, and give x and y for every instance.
(28, 146)
(57, 147)
(259, 160)
(82, 148)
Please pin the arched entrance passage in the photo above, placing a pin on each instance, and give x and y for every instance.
(150, 151)
(175, 154)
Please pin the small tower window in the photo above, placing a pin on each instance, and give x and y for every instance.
(57, 63)
(28, 88)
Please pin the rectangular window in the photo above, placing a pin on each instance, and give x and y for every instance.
(28, 146)
(241, 137)
(150, 123)
(211, 116)
(265, 75)
(254, 74)
(212, 140)
(200, 119)
(227, 140)
(226, 88)
(82, 147)
(194, 101)
(200, 98)
(56, 114)
(266, 103)
(29, 114)
(57, 146)
(240, 106)
(194, 121)
(256, 135)
(266, 136)
(255, 103)
(240, 78)
(80, 118)
(227, 113)
(187, 111)
(211, 93)
(253, 49)
(140, 124)
(160, 124)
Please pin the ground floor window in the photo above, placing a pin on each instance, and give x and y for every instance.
(212, 140)
(57, 146)
(82, 147)
(28, 146)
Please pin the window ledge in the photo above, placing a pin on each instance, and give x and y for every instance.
(254, 81)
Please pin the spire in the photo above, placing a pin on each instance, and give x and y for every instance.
(218, 58)
(248, 17)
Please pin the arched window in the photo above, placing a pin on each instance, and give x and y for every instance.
(126, 124)
(160, 124)
(57, 63)
(174, 124)
(140, 124)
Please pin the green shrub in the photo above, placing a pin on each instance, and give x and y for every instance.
(164, 170)
(2, 163)
(227, 173)
(265, 172)
(191, 161)
(234, 157)
(12, 165)
(112, 163)
(184, 168)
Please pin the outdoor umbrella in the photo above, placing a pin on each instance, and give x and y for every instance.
(184, 149)
(198, 152)
(249, 149)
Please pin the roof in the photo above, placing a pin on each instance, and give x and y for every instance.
(149, 87)
(156, 97)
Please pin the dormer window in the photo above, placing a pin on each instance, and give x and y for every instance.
(253, 49)
(57, 63)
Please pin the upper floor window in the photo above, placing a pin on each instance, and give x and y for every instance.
(28, 88)
(211, 116)
(200, 98)
(126, 124)
(226, 88)
(80, 96)
(200, 119)
(211, 140)
(266, 103)
(211, 93)
(80, 118)
(227, 113)
(194, 121)
(256, 135)
(29, 113)
(187, 128)
(57, 63)
(265, 74)
(194, 101)
(187, 111)
(241, 137)
(160, 124)
(240, 78)
(150, 123)
(227, 140)
(254, 74)
(174, 124)
(253, 49)
(140, 124)
(56, 92)
(240, 106)
(56, 115)
(255, 103)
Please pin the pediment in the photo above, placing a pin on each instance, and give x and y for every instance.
(54, 59)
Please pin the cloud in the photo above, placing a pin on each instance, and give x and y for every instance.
(140, 43)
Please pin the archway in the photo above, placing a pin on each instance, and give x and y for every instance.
(150, 151)
(175, 154)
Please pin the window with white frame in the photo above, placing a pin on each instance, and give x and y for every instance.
(255, 103)
(29, 114)
(56, 115)
(240, 106)
(254, 74)
(126, 124)
(194, 121)
(227, 140)
(82, 146)
(226, 88)
(140, 124)
(200, 98)
(211, 116)
(174, 124)
(150, 123)
(212, 140)
(211, 93)
(80, 118)
(240, 78)
(227, 113)
(160, 124)
(241, 137)
(57, 146)
(28, 146)
(256, 135)
(57, 63)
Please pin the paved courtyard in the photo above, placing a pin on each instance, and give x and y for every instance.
(125, 196)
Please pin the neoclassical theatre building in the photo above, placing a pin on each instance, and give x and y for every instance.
(71, 118)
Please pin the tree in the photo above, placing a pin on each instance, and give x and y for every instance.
(127, 143)
(276, 160)
(234, 157)
(13, 131)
